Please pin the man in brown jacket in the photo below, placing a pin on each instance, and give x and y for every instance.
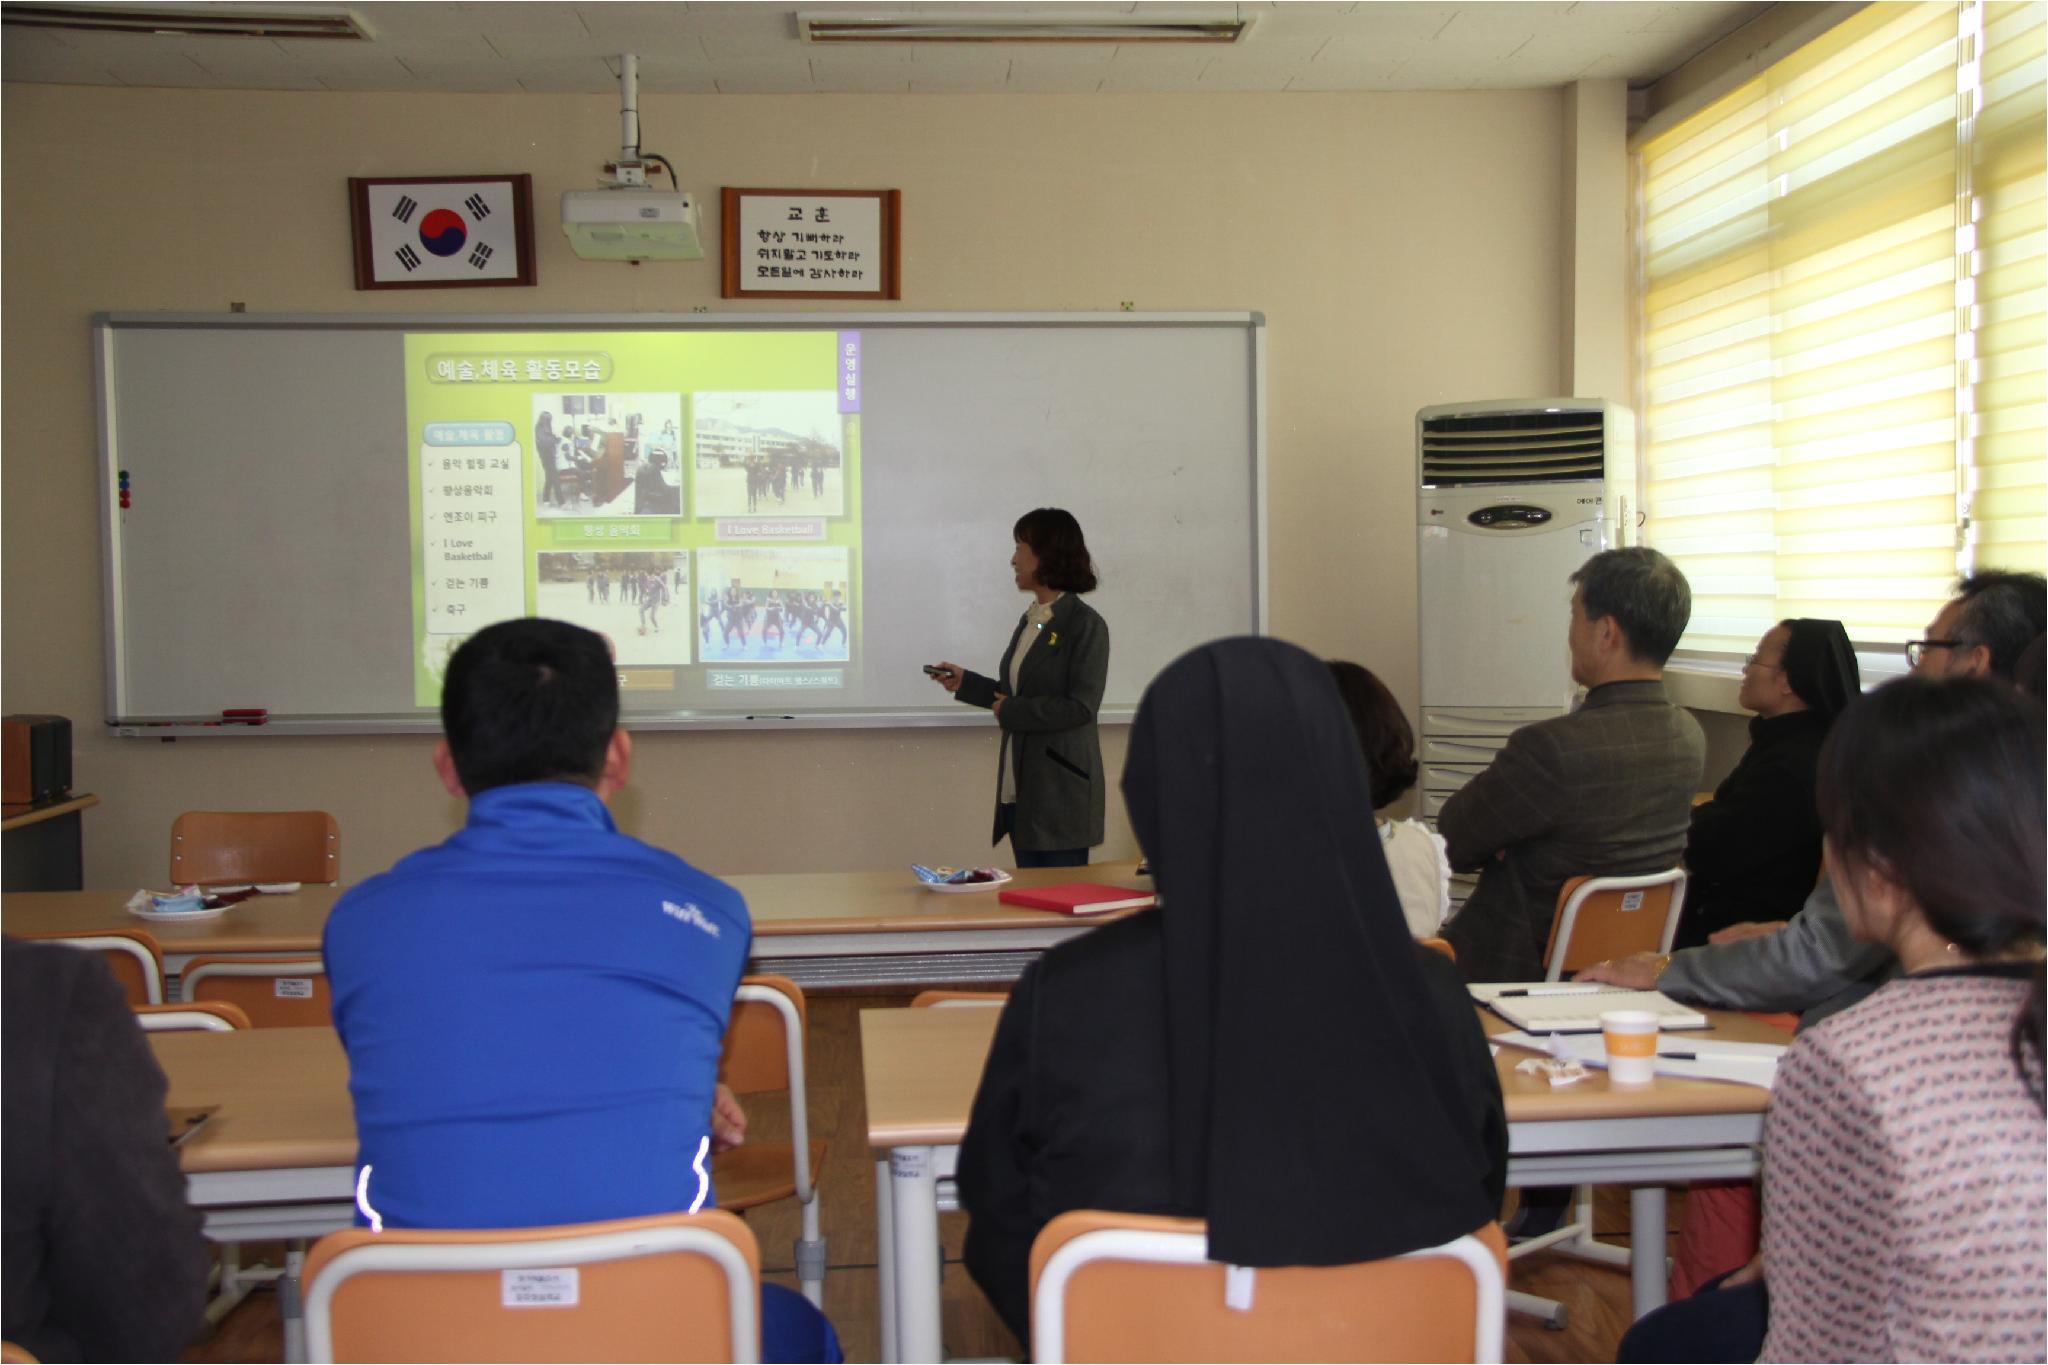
(1606, 790)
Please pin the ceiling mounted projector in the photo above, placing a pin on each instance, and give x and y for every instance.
(628, 220)
(627, 224)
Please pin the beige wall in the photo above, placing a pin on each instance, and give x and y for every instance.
(1405, 249)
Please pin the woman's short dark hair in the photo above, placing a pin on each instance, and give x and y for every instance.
(1384, 735)
(1937, 783)
(529, 700)
(1055, 537)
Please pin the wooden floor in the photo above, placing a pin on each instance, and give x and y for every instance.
(1597, 1297)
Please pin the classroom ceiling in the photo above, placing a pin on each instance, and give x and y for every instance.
(743, 47)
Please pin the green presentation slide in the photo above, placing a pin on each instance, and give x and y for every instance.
(694, 497)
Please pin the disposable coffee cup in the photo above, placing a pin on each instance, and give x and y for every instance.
(1631, 1039)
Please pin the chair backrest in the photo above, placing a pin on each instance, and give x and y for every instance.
(765, 1051)
(1607, 917)
(954, 999)
(215, 1016)
(678, 1286)
(11, 1354)
(219, 847)
(135, 957)
(1439, 945)
(1118, 1286)
(285, 992)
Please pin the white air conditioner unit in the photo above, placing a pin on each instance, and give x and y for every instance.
(631, 225)
(1512, 496)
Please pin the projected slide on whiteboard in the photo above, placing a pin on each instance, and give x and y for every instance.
(692, 497)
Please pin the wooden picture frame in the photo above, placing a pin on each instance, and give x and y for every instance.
(776, 245)
(442, 231)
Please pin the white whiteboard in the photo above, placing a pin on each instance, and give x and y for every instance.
(266, 559)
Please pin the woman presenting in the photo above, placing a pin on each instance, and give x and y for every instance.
(1049, 788)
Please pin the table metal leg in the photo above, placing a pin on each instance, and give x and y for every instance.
(915, 1215)
(885, 1260)
(290, 1306)
(1647, 1270)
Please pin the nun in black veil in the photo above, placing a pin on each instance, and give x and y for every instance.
(1268, 1049)
(1753, 852)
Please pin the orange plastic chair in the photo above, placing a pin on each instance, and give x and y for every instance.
(954, 999)
(1439, 945)
(283, 992)
(135, 957)
(10, 1354)
(212, 1016)
(1123, 1286)
(223, 847)
(677, 1286)
(764, 1054)
(1599, 918)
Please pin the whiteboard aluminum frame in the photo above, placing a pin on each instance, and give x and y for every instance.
(104, 324)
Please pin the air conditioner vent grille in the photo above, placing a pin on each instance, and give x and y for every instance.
(1513, 447)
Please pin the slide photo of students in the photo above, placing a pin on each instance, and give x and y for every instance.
(768, 454)
(607, 455)
(790, 605)
(640, 601)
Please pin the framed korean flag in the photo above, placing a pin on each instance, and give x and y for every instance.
(437, 232)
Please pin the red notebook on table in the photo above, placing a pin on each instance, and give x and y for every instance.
(1079, 898)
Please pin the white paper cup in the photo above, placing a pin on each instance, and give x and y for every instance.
(1631, 1039)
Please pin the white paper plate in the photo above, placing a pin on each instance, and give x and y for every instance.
(968, 888)
(180, 916)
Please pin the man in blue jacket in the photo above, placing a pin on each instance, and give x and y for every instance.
(534, 1010)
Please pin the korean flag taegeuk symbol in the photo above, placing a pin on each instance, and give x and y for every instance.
(443, 233)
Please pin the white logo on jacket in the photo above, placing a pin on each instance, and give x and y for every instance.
(688, 913)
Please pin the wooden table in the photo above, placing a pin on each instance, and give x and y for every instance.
(259, 926)
(42, 844)
(276, 1160)
(921, 1068)
(819, 928)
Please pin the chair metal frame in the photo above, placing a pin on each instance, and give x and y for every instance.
(206, 1016)
(1191, 1247)
(132, 943)
(810, 1251)
(400, 1251)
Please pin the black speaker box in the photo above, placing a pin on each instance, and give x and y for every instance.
(35, 759)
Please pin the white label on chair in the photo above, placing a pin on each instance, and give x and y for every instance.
(1631, 900)
(1237, 1287)
(909, 1163)
(295, 988)
(539, 1288)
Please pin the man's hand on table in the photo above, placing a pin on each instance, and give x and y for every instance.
(1637, 972)
(1735, 933)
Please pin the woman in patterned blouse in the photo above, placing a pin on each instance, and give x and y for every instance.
(1905, 1200)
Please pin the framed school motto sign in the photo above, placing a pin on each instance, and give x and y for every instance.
(441, 232)
(812, 244)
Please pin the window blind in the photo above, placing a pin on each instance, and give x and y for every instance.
(1825, 255)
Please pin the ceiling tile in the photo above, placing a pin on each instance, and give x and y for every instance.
(577, 75)
(764, 77)
(432, 19)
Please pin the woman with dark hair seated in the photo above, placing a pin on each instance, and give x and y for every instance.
(1753, 853)
(1905, 1199)
(1268, 1049)
(1050, 791)
(1415, 852)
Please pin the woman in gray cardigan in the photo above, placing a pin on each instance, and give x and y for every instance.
(1049, 786)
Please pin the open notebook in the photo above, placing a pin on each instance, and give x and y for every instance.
(1572, 1007)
